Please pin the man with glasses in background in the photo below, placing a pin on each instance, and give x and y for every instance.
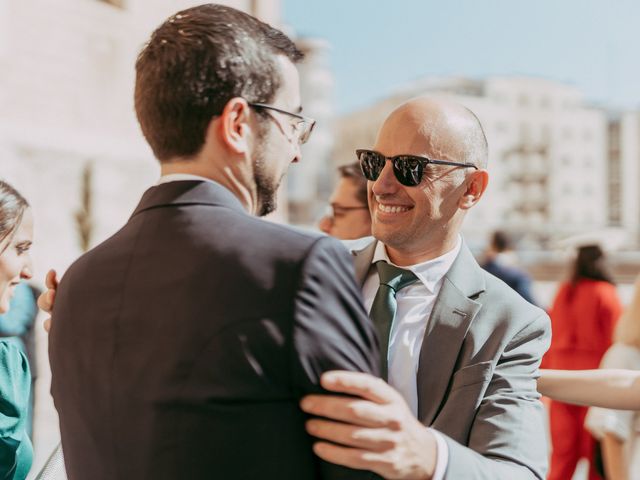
(348, 217)
(460, 347)
(181, 346)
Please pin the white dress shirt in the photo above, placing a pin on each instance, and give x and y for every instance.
(180, 177)
(414, 306)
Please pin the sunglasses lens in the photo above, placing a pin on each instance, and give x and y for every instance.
(408, 170)
(371, 163)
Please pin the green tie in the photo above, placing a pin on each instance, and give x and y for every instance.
(384, 306)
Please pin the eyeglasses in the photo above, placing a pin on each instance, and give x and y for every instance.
(408, 169)
(335, 211)
(302, 128)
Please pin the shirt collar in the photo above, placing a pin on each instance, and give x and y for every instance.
(431, 272)
(180, 177)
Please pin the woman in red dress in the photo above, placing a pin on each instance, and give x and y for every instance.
(583, 316)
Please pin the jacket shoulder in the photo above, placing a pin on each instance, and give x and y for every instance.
(506, 301)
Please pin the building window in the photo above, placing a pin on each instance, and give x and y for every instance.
(567, 133)
(525, 133)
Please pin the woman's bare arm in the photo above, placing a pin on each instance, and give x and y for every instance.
(608, 388)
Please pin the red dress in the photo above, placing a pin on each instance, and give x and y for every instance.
(583, 317)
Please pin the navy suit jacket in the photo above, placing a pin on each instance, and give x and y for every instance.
(182, 345)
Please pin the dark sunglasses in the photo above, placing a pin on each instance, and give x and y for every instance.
(408, 169)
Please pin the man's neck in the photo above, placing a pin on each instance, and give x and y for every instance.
(410, 256)
(224, 176)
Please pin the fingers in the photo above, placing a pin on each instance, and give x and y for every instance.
(46, 300)
(51, 280)
(371, 439)
(349, 410)
(359, 384)
(349, 457)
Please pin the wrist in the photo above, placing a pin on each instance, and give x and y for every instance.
(429, 458)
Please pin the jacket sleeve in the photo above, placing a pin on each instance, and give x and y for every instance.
(507, 440)
(331, 329)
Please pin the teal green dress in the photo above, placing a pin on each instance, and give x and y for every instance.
(16, 452)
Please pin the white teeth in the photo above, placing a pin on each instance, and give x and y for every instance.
(391, 208)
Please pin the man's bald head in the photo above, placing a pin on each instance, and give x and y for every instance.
(421, 222)
(446, 130)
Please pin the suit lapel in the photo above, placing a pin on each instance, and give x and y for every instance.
(450, 319)
(362, 251)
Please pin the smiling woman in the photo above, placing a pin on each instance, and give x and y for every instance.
(16, 232)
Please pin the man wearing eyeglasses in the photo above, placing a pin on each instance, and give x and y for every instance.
(348, 217)
(462, 348)
(181, 346)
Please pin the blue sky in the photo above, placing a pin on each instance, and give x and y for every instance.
(377, 45)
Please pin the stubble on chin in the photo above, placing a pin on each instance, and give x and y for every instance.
(267, 193)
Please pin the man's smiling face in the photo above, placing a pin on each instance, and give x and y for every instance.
(410, 219)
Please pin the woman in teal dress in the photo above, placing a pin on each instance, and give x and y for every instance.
(16, 233)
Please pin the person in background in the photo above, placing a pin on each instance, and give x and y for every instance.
(18, 326)
(16, 235)
(583, 317)
(349, 216)
(500, 261)
(617, 430)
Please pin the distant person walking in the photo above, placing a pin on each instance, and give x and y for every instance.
(583, 317)
(500, 262)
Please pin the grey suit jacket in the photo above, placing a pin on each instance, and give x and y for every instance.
(477, 372)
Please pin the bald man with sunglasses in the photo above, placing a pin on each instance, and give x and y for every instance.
(463, 349)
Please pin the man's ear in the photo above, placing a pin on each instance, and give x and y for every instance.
(476, 185)
(233, 127)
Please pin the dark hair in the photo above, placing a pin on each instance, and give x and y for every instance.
(193, 64)
(590, 264)
(12, 207)
(354, 172)
(501, 241)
